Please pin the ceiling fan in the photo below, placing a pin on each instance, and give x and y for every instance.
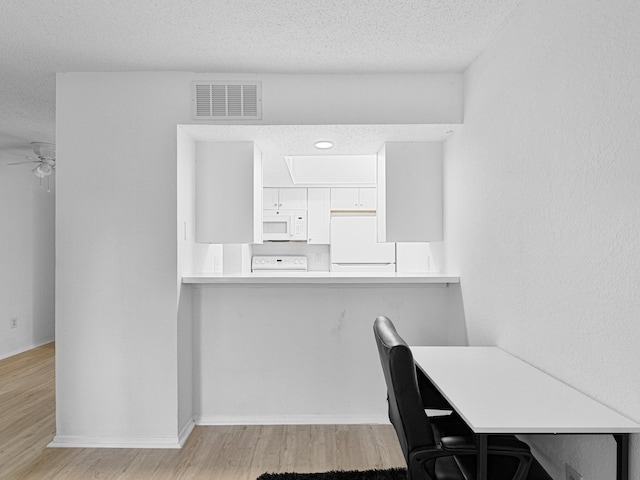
(45, 160)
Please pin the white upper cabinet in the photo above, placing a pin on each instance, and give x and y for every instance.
(270, 198)
(344, 198)
(367, 198)
(228, 192)
(410, 192)
(319, 216)
(284, 198)
(293, 198)
(353, 198)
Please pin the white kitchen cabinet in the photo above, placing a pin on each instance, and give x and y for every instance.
(353, 198)
(293, 198)
(410, 192)
(284, 198)
(270, 199)
(344, 198)
(228, 199)
(367, 198)
(318, 215)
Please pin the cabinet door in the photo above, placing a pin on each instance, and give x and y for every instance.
(344, 199)
(270, 198)
(228, 202)
(367, 198)
(318, 216)
(293, 198)
(410, 188)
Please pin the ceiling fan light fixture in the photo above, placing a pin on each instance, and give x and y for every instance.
(42, 170)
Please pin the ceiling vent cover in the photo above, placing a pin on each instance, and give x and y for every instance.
(227, 100)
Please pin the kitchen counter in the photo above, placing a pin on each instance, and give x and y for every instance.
(328, 278)
(307, 340)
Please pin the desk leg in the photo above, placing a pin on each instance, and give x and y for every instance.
(622, 456)
(482, 456)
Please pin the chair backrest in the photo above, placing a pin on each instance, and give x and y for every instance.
(406, 412)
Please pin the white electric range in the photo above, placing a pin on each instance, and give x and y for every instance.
(279, 264)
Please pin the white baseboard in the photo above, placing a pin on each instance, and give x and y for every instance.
(204, 420)
(186, 431)
(26, 348)
(81, 441)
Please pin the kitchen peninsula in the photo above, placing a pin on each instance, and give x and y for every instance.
(299, 348)
(294, 344)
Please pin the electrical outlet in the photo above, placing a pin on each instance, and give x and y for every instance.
(13, 322)
(571, 473)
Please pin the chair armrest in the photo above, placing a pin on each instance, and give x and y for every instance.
(495, 444)
(449, 425)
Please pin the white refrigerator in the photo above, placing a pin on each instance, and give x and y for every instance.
(355, 247)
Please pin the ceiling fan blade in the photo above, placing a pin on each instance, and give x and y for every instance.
(20, 163)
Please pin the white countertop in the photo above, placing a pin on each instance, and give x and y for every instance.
(303, 278)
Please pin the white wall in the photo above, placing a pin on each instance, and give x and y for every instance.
(27, 256)
(191, 259)
(119, 342)
(116, 300)
(543, 206)
(361, 99)
(305, 354)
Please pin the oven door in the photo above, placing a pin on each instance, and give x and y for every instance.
(277, 225)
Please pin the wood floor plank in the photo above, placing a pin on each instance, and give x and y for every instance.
(239, 452)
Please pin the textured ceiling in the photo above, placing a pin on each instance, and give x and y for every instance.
(39, 38)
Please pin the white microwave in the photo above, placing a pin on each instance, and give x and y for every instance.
(284, 225)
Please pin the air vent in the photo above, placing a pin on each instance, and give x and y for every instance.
(227, 100)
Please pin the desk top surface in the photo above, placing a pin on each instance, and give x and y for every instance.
(495, 392)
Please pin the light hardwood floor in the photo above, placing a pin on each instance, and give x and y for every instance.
(27, 425)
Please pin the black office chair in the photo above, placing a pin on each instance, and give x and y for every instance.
(453, 455)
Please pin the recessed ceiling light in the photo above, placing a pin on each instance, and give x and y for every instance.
(324, 144)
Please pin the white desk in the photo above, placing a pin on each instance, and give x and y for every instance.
(496, 393)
